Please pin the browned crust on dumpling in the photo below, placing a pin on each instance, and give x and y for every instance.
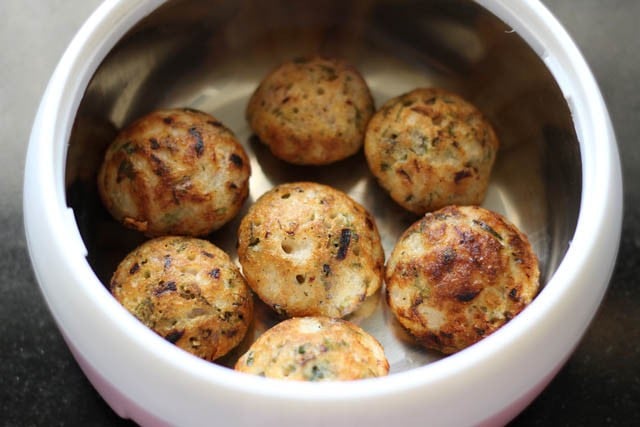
(459, 274)
(188, 291)
(430, 148)
(315, 349)
(174, 172)
(309, 249)
(311, 110)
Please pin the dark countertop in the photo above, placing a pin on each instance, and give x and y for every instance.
(40, 383)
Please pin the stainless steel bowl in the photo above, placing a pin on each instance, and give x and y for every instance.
(212, 55)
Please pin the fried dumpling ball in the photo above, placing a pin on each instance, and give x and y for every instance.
(188, 291)
(309, 249)
(458, 274)
(174, 172)
(311, 111)
(315, 349)
(430, 148)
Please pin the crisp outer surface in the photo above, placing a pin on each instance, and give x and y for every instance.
(188, 291)
(430, 148)
(458, 274)
(309, 249)
(175, 171)
(311, 111)
(315, 349)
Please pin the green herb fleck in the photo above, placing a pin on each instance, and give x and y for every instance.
(317, 373)
(420, 142)
(358, 116)
(487, 228)
(250, 358)
(330, 72)
(129, 147)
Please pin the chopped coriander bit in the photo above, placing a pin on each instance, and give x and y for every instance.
(129, 147)
(317, 373)
(420, 142)
(144, 310)
(398, 114)
(486, 227)
(250, 358)
(358, 116)
(330, 72)
(170, 218)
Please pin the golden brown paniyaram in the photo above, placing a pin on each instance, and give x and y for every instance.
(430, 148)
(309, 249)
(172, 172)
(188, 291)
(315, 349)
(311, 111)
(458, 274)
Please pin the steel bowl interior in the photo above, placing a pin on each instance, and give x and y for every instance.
(210, 55)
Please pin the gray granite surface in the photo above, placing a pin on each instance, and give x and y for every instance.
(40, 383)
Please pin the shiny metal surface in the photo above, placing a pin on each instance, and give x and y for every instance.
(210, 55)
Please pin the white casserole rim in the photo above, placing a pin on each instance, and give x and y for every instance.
(597, 232)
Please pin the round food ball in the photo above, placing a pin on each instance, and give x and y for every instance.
(430, 148)
(459, 274)
(315, 349)
(311, 111)
(174, 172)
(188, 291)
(308, 249)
